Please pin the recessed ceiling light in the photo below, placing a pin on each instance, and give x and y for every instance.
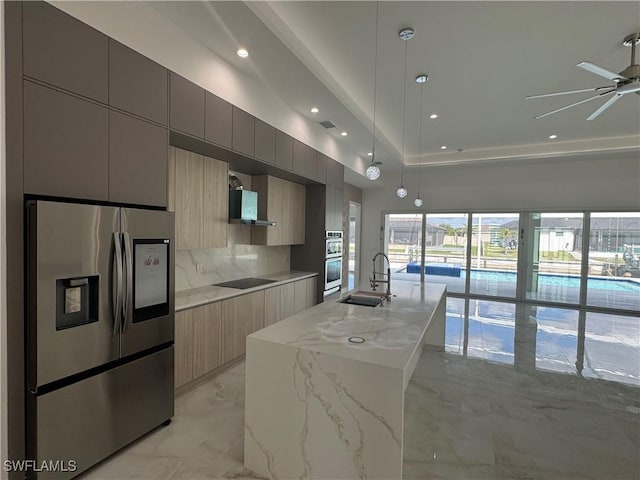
(314, 110)
(344, 134)
(370, 154)
(552, 137)
(443, 147)
(243, 53)
(433, 115)
(422, 78)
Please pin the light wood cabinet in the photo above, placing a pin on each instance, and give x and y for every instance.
(183, 348)
(272, 305)
(240, 316)
(212, 335)
(283, 202)
(199, 196)
(207, 339)
(198, 342)
(216, 203)
(287, 300)
(311, 284)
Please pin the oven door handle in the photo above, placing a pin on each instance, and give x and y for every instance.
(128, 298)
(116, 285)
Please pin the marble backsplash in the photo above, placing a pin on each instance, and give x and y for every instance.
(199, 268)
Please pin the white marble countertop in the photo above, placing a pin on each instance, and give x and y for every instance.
(392, 331)
(202, 295)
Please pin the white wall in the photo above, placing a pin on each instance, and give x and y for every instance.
(555, 184)
(3, 266)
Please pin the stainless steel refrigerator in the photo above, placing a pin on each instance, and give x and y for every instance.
(100, 331)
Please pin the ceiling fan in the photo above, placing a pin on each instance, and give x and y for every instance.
(627, 81)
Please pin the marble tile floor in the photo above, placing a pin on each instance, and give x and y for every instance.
(468, 415)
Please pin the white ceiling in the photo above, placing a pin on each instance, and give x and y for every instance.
(482, 58)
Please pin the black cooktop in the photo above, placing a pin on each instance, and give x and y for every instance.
(243, 283)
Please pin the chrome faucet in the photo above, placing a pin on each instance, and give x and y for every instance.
(374, 281)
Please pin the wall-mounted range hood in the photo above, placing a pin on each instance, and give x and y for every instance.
(243, 208)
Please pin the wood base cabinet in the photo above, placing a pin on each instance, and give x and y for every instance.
(212, 335)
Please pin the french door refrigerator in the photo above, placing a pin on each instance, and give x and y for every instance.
(100, 331)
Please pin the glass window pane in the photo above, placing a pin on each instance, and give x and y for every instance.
(556, 338)
(614, 260)
(554, 253)
(446, 250)
(454, 326)
(403, 234)
(494, 254)
(612, 348)
(491, 331)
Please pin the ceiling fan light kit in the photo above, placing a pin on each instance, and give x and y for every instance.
(627, 81)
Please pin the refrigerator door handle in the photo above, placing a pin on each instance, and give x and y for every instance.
(128, 299)
(116, 290)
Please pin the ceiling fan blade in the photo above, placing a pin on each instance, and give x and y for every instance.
(574, 104)
(604, 106)
(568, 92)
(603, 72)
(631, 87)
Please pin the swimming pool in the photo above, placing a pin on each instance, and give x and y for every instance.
(548, 280)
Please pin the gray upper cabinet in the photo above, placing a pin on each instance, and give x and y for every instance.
(330, 200)
(299, 157)
(265, 142)
(284, 151)
(310, 163)
(62, 51)
(335, 173)
(243, 132)
(136, 84)
(186, 106)
(66, 145)
(217, 120)
(137, 161)
(321, 168)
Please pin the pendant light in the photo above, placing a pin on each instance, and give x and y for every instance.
(373, 171)
(418, 201)
(405, 34)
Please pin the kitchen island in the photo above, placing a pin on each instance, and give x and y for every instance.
(319, 406)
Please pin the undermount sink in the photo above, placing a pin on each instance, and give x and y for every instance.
(364, 300)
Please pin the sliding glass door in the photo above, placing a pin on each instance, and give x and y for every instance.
(587, 259)
(494, 254)
(552, 256)
(614, 260)
(446, 258)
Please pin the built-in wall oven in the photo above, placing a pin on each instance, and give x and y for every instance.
(333, 262)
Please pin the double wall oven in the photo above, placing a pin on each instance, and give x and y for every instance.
(333, 261)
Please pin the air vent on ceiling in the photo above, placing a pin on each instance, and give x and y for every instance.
(328, 124)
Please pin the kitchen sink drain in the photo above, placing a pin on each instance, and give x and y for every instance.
(356, 340)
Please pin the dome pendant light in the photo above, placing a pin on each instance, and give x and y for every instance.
(418, 201)
(405, 34)
(373, 171)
